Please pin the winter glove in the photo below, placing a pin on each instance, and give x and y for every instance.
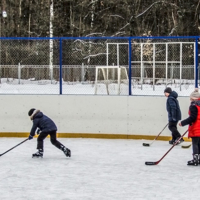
(39, 131)
(30, 137)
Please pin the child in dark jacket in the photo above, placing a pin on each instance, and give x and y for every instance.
(194, 126)
(174, 114)
(45, 126)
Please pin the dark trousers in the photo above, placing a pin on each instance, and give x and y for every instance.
(53, 140)
(173, 128)
(196, 145)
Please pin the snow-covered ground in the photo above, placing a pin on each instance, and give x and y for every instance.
(99, 169)
(12, 86)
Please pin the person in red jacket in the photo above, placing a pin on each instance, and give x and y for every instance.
(194, 126)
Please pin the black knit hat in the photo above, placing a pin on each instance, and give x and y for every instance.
(168, 90)
(30, 112)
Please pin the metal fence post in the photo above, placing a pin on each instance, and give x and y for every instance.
(181, 62)
(196, 62)
(82, 72)
(154, 63)
(19, 73)
(129, 74)
(60, 61)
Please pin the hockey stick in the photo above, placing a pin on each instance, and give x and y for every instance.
(13, 147)
(147, 144)
(186, 146)
(155, 163)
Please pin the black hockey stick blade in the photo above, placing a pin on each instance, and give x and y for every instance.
(151, 163)
(186, 146)
(146, 144)
(155, 163)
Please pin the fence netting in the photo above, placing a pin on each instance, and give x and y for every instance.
(97, 66)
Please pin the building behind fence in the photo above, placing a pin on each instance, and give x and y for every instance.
(98, 65)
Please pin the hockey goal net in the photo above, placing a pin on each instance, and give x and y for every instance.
(111, 80)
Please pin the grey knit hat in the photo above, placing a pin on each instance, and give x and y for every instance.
(195, 95)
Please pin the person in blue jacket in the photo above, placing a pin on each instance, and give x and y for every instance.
(174, 114)
(44, 126)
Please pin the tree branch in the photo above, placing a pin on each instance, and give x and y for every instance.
(148, 8)
(153, 5)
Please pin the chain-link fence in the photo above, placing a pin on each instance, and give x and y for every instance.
(100, 66)
(157, 63)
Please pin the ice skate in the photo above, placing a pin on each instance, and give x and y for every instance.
(67, 152)
(38, 154)
(171, 141)
(195, 160)
(180, 141)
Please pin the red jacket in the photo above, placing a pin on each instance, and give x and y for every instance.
(194, 129)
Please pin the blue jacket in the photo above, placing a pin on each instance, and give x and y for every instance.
(173, 108)
(44, 123)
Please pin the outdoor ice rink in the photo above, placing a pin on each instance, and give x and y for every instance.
(99, 169)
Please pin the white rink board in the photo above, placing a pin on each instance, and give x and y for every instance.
(132, 115)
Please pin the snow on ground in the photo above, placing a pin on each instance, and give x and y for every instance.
(12, 86)
(99, 169)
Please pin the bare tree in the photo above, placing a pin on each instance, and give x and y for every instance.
(101, 17)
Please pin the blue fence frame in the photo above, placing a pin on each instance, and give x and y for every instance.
(60, 39)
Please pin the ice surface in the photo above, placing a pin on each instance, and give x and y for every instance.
(99, 169)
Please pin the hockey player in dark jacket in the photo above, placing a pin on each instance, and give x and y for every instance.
(174, 114)
(44, 126)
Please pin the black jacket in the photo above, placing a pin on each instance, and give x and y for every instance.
(173, 108)
(44, 123)
(193, 113)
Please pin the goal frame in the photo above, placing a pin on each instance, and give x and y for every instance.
(105, 75)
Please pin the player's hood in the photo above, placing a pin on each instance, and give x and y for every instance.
(36, 113)
(174, 94)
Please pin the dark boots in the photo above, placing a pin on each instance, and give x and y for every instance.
(174, 141)
(38, 154)
(195, 160)
(67, 152)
